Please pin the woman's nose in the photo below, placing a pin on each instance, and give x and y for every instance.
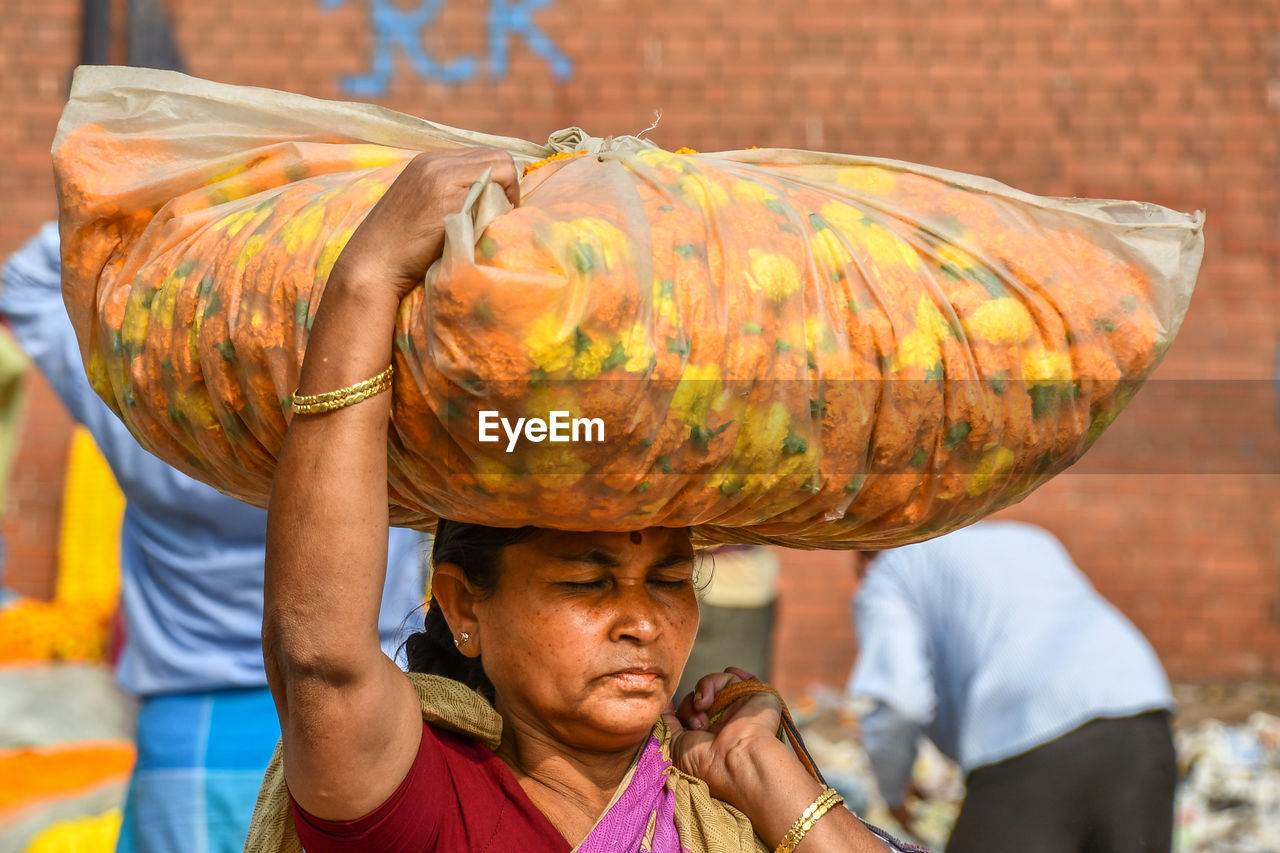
(636, 618)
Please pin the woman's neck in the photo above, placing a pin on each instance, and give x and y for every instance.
(571, 787)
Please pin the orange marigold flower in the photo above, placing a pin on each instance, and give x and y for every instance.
(559, 155)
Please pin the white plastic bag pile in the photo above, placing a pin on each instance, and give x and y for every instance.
(1229, 799)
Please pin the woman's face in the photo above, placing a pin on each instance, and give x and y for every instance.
(586, 634)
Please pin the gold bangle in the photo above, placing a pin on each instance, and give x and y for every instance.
(828, 798)
(310, 404)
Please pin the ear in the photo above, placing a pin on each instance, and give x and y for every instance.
(457, 599)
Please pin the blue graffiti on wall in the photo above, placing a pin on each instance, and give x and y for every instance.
(402, 29)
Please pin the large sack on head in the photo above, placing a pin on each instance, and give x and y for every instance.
(769, 345)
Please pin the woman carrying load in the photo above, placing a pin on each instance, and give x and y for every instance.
(548, 723)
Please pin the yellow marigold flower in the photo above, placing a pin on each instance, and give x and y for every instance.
(918, 348)
(695, 393)
(684, 149)
(368, 156)
(557, 460)
(951, 255)
(97, 370)
(375, 186)
(706, 193)
(196, 407)
(588, 363)
(886, 247)
(329, 254)
(637, 348)
(232, 223)
(303, 230)
(818, 336)
(492, 474)
(731, 481)
(257, 319)
(775, 275)
(881, 245)
(165, 300)
(659, 159)
(548, 397)
(930, 320)
(1001, 321)
(872, 180)
(843, 217)
(664, 303)
(249, 251)
(762, 434)
(550, 346)
(137, 317)
(1042, 366)
(591, 244)
(747, 190)
(766, 453)
(229, 173)
(994, 463)
(830, 251)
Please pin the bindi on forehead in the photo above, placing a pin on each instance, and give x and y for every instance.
(636, 538)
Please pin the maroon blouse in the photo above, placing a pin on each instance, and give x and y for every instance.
(458, 796)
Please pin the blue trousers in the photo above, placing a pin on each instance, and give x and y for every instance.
(201, 757)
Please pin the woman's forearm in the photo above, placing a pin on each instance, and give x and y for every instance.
(349, 720)
(773, 789)
(326, 533)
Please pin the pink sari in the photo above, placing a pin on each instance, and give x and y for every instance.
(647, 800)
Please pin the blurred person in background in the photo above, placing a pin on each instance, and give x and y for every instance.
(737, 614)
(992, 643)
(191, 561)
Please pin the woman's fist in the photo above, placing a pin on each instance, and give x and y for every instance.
(404, 232)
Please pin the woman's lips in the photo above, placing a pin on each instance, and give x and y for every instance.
(636, 679)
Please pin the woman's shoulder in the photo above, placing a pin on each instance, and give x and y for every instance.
(452, 706)
(457, 795)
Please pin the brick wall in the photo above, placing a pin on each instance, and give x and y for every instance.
(1176, 102)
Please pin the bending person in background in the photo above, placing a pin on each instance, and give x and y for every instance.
(547, 723)
(191, 560)
(992, 643)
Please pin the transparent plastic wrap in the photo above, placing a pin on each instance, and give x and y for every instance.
(807, 349)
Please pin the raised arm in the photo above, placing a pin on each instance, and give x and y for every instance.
(349, 719)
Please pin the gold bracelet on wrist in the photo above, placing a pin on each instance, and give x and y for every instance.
(826, 800)
(311, 404)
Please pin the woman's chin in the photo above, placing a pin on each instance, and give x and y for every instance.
(626, 721)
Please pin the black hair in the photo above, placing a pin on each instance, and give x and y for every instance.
(477, 550)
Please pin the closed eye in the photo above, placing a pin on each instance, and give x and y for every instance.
(675, 575)
(598, 583)
(676, 583)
